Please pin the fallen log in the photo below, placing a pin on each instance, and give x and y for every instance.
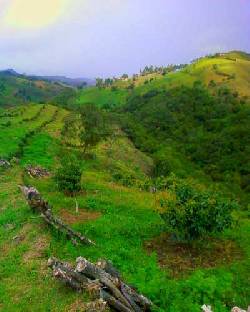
(89, 269)
(39, 205)
(37, 171)
(111, 289)
(114, 303)
(107, 266)
(129, 293)
(207, 308)
(4, 163)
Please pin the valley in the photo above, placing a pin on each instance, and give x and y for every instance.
(143, 146)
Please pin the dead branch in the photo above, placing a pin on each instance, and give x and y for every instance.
(37, 204)
(111, 289)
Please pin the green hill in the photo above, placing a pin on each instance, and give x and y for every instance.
(18, 89)
(221, 70)
(158, 139)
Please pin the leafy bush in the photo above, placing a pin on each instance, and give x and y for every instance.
(68, 176)
(193, 214)
(124, 175)
(94, 125)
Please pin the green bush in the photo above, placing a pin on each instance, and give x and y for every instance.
(193, 214)
(68, 176)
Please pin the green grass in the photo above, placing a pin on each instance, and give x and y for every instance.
(41, 151)
(102, 97)
(12, 137)
(25, 282)
(129, 216)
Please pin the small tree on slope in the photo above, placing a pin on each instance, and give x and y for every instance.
(193, 214)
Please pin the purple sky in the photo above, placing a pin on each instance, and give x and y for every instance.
(94, 38)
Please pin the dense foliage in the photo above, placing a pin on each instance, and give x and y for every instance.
(19, 89)
(94, 126)
(194, 214)
(68, 176)
(210, 130)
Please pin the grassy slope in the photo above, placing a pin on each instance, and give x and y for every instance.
(203, 70)
(102, 97)
(129, 218)
(236, 63)
(13, 137)
(17, 90)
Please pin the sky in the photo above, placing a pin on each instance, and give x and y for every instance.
(104, 38)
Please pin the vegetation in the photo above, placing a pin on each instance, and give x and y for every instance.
(94, 126)
(18, 89)
(68, 176)
(202, 126)
(195, 214)
(169, 164)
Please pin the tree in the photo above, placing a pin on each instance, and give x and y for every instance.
(125, 76)
(99, 82)
(108, 82)
(94, 126)
(193, 214)
(68, 176)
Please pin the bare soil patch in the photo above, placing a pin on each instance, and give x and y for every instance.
(182, 258)
(82, 216)
(36, 250)
(76, 306)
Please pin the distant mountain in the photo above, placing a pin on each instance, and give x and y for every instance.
(18, 88)
(9, 72)
(73, 82)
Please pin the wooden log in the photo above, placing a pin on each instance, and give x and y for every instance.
(61, 226)
(37, 203)
(131, 294)
(113, 302)
(108, 267)
(139, 299)
(125, 293)
(67, 279)
(66, 273)
(37, 171)
(90, 277)
(89, 269)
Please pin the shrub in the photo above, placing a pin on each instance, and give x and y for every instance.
(68, 176)
(193, 214)
(95, 127)
(124, 175)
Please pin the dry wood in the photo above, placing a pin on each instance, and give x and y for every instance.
(37, 171)
(4, 163)
(101, 279)
(89, 269)
(110, 288)
(114, 303)
(108, 267)
(37, 203)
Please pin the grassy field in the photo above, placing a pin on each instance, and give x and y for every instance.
(121, 220)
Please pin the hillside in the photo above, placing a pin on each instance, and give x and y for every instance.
(227, 70)
(73, 82)
(209, 96)
(18, 89)
(134, 169)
